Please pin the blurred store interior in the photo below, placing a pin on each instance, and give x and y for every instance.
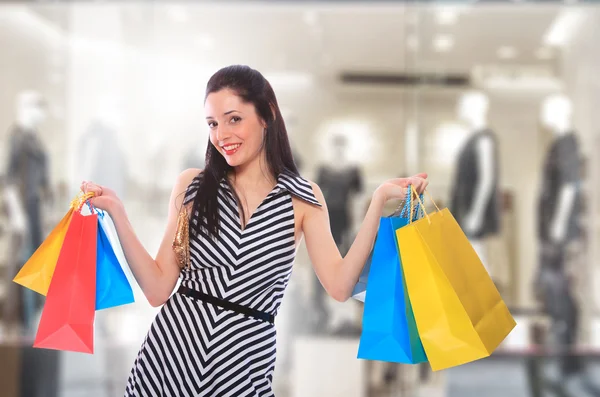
(369, 91)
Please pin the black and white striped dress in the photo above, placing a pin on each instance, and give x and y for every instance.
(196, 348)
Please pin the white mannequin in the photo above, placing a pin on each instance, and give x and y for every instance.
(339, 155)
(556, 114)
(473, 109)
(30, 115)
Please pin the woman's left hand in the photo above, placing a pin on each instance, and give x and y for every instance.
(396, 188)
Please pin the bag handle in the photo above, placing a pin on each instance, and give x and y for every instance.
(408, 206)
(421, 204)
(80, 200)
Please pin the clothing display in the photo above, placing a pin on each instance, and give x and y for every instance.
(337, 186)
(466, 180)
(561, 167)
(28, 171)
(555, 293)
(200, 346)
(28, 164)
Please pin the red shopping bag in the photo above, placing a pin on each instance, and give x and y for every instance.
(67, 321)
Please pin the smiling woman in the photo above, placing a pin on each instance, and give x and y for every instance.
(249, 210)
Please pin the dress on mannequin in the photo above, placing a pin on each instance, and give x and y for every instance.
(338, 186)
(558, 225)
(28, 171)
(339, 181)
(467, 177)
(554, 289)
(561, 167)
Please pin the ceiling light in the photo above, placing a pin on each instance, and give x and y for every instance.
(563, 27)
(177, 14)
(412, 42)
(447, 16)
(443, 43)
(544, 53)
(507, 52)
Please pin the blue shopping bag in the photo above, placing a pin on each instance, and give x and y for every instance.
(112, 286)
(360, 289)
(389, 332)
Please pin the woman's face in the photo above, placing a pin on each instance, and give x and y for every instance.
(236, 131)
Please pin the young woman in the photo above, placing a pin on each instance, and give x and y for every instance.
(249, 211)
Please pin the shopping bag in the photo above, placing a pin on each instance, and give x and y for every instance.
(389, 332)
(360, 288)
(67, 321)
(113, 239)
(37, 272)
(459, 313)
(112, 287)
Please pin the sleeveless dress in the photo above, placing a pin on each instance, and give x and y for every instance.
(194, 348)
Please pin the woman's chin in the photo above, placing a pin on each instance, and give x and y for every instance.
(233, 162)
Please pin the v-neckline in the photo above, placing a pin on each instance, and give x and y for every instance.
(243, 228)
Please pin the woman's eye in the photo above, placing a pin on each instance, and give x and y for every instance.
(212, 124)
(235, 119)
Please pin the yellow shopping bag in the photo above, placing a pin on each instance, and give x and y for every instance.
(37, 272)
(460, 314)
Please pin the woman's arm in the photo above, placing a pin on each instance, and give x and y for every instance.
(157, 277)
(339, 275)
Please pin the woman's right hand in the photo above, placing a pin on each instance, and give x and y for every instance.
(104, 198)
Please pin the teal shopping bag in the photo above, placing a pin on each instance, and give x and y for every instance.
(112, 286)
(389, 332)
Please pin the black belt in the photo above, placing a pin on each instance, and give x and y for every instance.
(226, 305)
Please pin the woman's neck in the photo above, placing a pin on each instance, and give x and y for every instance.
(254, 174)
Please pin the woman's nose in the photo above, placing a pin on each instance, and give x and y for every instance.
(222, 133)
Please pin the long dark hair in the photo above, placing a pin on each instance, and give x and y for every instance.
(251, 86)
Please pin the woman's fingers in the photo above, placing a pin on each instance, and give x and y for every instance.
(89, 187)
(419, 184)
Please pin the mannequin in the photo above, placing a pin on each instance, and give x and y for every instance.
(340, 181)
(558, 210)
(475, 197)
(27, 189)
(560, 225)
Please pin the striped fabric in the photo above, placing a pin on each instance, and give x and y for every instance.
(196, 349)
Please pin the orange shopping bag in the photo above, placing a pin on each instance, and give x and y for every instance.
(37, 272)
(67, 321)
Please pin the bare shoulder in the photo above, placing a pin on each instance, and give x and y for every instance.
(307, 208)
(318, 193)
(184, 180)
(187, 176)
